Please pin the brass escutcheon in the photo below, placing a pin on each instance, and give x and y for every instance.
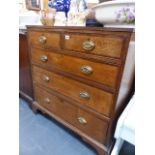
(47, 100)
(45, 78)
(86, 70)
(84, 95)
(88, 45)
(43, 58)
(42, 39)
(82, 120)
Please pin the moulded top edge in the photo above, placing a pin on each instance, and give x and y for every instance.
(80, 28)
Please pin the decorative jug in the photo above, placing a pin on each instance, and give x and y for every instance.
(47, 17)
(60, 5)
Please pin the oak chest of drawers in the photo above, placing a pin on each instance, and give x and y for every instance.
(81, 78)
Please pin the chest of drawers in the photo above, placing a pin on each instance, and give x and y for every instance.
(81, 78)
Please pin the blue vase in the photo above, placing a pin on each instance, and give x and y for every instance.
(60, 5)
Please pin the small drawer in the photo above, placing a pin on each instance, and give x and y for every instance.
(105, 45)
(86, 95)
(86, 122)
(98, 72)
(44, 39)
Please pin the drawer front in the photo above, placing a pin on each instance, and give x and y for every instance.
(98, 72)
(86, 122)
(100, 45)
(68, 112)
(44, 39)
(91, 97)
(92, 125)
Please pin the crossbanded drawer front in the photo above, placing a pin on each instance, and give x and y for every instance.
(105, 45)
(44, 39)
(86, 95)
(86, 122)
(98, 72)
(68, 112)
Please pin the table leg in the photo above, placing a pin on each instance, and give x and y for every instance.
(117, 146)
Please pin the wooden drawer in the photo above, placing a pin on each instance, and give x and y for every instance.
(98, 72)
(44, 39)
(68, 112)
(91, 97)
(105, 45)
(86, 122)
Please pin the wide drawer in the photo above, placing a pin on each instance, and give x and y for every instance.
(44, 39)
(106, 45)
(89, 96)
(86, 122)
(98, 72)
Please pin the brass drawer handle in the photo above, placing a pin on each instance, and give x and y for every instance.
(46, 100)
(42, 39)
(45, 78)
(86, 70)
(84, 95)
(88, 45)
(82, 120)
(43, 58)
